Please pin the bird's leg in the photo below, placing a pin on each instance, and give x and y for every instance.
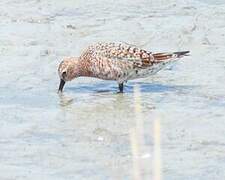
(120, 87)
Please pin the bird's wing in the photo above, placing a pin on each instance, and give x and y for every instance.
(138, 57)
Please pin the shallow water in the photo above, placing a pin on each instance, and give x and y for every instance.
(170, 125)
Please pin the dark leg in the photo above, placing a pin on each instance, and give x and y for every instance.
(121, 88)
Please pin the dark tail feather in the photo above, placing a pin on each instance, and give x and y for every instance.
(182, 53)
(167, 56)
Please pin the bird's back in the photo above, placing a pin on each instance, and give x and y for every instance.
(121, 62)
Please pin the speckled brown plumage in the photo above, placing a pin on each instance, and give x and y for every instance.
(115, 61)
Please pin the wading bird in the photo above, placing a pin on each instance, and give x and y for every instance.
(112, 61)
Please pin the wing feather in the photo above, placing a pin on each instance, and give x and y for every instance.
(140, 58)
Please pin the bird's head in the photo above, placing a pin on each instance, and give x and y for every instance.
(68, 70)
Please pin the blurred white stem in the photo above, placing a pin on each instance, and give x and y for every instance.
(157, 151)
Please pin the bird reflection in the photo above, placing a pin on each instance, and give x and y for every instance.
(65, 101)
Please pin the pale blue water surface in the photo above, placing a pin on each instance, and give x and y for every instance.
(86, 133)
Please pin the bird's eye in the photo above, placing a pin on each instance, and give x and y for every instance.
(64, 74)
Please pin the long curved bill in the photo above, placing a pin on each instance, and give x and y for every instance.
(61, 85)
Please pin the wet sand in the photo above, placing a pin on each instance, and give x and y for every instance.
(170, 125)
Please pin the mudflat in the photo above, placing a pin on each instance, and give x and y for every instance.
(169, 126)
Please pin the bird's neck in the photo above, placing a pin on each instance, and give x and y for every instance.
(84, 67)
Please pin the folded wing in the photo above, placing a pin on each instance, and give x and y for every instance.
(140, 58)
